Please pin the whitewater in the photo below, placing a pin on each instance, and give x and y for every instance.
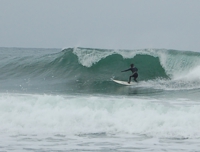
(65, 100)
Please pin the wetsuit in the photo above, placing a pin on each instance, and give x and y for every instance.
(135, 74)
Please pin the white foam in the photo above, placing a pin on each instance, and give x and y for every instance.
(88, 57)
(192, 74)
(48, 114)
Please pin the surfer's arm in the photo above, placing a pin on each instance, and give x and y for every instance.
(125, 70)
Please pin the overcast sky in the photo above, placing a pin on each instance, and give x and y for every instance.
(111, 24)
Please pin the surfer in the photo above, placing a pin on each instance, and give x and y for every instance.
(134, 73)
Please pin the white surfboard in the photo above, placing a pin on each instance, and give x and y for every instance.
(124, 82)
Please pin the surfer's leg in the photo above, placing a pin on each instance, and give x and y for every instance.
(135, 77)
(129, 79)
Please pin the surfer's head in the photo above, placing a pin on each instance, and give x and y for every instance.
(132, 65)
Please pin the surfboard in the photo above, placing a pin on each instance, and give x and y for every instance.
(124, 82)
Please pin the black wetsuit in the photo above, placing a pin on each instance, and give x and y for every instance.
(135, 74)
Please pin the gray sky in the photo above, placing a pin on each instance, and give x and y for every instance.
(111, 24)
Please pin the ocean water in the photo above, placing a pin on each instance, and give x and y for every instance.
(64, 100)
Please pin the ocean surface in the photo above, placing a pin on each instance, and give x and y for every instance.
(64, 100)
